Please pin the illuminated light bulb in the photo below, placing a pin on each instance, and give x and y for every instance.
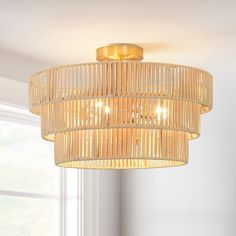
(158, 111)
(99, 104)
(107, 109)
(161, 112)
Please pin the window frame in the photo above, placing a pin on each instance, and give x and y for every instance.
(19, 115)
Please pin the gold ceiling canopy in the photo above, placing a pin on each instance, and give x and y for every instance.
(120, 113)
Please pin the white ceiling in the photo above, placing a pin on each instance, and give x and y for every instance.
(183, 31)
(200, 198)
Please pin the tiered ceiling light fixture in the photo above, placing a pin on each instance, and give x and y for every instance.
(120, 113)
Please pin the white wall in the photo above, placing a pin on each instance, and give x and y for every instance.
(109, 203)
(101, 203)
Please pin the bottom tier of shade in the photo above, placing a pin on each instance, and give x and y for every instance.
(122, 148)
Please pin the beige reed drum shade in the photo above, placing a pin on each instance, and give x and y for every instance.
(120, 114)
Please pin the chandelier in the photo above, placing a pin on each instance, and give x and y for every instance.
(120, 113)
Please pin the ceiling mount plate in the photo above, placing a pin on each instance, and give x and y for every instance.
(119, 52)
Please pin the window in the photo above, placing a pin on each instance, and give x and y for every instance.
(36, 197)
